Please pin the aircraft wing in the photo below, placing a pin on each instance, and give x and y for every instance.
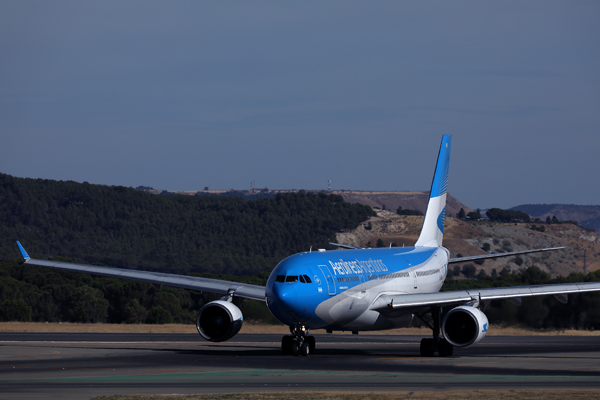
(512, 253)
(389, 302)
(193, 283)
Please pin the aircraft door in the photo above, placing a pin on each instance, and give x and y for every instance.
(414, 274)
(328, 279)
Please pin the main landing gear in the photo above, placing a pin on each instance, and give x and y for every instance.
(298, 343)
(429, 346)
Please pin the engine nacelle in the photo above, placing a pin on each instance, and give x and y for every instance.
(219, 320)
(464, 326)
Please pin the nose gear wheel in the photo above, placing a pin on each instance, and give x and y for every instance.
(298, 343)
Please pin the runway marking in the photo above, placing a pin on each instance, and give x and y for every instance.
(250, 376)
(29, 354)
(69, 365)
(204, 343)
(413, 359)
(503, 361)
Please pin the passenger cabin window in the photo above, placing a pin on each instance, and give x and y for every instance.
(291, 278)
(280, 278)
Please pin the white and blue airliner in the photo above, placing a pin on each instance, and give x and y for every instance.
(356, 289)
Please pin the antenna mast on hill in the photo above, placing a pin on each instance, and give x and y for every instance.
(329, 185)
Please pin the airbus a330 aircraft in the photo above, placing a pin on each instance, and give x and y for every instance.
(356, 289)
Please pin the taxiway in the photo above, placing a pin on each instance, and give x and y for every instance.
(75, 366)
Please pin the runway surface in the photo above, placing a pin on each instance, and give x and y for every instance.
(82, 365)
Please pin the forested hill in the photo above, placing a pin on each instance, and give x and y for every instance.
(123, 227)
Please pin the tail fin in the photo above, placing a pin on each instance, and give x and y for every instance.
(433, 226)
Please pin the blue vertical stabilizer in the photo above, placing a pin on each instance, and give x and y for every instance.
(433, 225)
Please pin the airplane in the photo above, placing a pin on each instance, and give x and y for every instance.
(356, 289)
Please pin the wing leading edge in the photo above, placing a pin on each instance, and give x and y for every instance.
(194, 283)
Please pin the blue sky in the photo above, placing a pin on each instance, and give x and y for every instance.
(186, 94)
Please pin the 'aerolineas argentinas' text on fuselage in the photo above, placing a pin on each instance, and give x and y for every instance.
(358, 267)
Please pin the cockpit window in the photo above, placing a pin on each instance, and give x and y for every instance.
(307, 279)
(301, 277)
(291, 278)
(280, 278)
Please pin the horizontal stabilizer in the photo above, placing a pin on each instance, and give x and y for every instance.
(345, 246)
(512, 253)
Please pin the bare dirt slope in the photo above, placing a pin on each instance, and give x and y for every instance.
(468, 238)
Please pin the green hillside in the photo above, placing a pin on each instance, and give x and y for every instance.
(123, 227)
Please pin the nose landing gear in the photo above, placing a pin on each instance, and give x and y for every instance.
(298, 343)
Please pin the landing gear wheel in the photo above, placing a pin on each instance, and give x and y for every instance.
(305, 349)
(312, 344)
(286, 344)
(427, 347)
(295, 349)
(445, 349)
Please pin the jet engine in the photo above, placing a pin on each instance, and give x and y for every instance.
(464, 326)
(219, 320)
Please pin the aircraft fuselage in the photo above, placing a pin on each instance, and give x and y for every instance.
(333, 289)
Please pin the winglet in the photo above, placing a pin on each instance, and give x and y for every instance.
(23, 252)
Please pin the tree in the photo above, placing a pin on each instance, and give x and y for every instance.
(159, 315)
(497, 214)
(519, 261)
(380, 243)
(407, 211)
(15, 310)
(167, 301)
(548, 220)
(461, 214)
(469, 271)
(88, 303)
(555, 220)
(134, 311)
(474, 215)
(534, 276)
(456, 270)
(485, 247)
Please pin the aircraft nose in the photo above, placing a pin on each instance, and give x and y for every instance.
(286, 295)
(283, 302)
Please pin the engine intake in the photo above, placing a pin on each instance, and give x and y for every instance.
(464, 326)
(219, 320)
